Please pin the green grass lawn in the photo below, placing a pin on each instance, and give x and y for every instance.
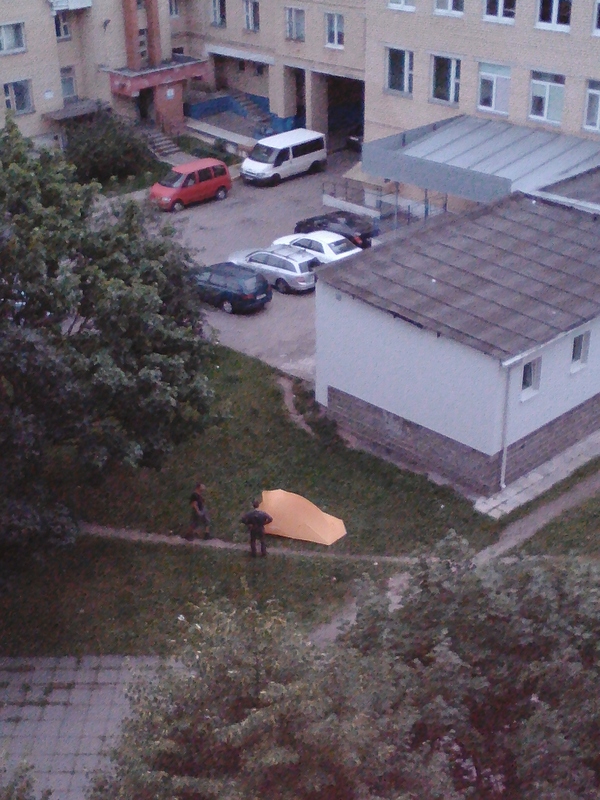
(576, 532)
(117, 597)
(256, 446)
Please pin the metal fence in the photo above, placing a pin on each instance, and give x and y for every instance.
(383, 202)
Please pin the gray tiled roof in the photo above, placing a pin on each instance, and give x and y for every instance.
(501, 279)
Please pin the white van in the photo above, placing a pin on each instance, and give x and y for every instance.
(285, 154)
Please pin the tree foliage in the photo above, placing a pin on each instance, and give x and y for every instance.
(100, 349)
(105, 147)
(481, 684)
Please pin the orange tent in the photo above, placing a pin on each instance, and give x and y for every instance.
(297, 518)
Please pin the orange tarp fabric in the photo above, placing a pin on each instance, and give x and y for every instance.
(297, 518)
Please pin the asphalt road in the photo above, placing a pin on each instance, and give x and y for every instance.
(283, 334)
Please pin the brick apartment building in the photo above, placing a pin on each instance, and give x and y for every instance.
(396, 64)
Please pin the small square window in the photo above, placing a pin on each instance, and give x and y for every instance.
(530, 382)
(579, 351)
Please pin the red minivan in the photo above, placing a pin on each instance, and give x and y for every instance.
(192, 182)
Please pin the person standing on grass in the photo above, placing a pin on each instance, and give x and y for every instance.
(200, 519)
(255, 521)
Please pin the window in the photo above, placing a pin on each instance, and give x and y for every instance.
(334, 28)
(241, 66)
(400, 70)
(592, 106)
(251, 15)
(61, 25)
(306, 148)
(143, 42)
(580, 350)
(174, 8)
(500, 10)
(446, 79)
(67, 82)
(530, 382)
(219, 13)
(259, 70)
(401, 5)
(494, 88)
(547, 95)
(449, 6)
(141, 3)
(17, 97)
(597, 19)
(178, 51)
(555, 14)
(12, 38)
(294, 24)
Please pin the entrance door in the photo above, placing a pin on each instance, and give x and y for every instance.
(145, 104)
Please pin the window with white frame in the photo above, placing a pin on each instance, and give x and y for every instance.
(597, 18)
(251, 15)
(580, 350)
(219, 13)
(67, 82)
(592, 106)
(400, 70)
(334, 30)
(446, 79)
(17, 97)
(530, 381)
(449, 6)
(61, 25)
(554, 14)
(174, 8)
(294, 24)
(401, 5)
(494, 88)
(547, 96)
(12, 37)
(500, 10)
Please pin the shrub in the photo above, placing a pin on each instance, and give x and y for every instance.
(105, 147)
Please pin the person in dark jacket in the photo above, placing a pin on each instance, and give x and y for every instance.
(199, 519)
(255, 521)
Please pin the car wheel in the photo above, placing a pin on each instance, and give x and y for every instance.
(227, 307)
(276, 180)
(281, 286)
(221, 193)
(317, 166)
(178, 206)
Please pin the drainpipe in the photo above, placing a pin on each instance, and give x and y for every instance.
(505, 428)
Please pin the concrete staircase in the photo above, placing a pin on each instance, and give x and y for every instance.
(160, 145)
(261, 119)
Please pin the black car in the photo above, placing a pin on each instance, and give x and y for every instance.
(232, 287)
(359, 230)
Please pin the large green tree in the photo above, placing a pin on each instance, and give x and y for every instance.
(100, 335)
(477, 684)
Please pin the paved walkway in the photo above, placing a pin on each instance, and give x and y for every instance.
(539, 480)
(62, 715)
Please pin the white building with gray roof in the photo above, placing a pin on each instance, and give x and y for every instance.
(469, 346)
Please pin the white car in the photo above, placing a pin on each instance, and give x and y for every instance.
(324, 245)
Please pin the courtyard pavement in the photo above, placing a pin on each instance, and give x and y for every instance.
(61, 716)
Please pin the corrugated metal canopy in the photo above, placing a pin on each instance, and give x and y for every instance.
(480, 159)
(501, 279)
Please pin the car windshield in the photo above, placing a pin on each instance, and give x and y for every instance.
(263, 154)
(342, 246)
(172, 179)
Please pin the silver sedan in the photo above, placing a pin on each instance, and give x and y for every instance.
(286, 268)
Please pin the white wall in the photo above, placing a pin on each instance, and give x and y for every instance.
(560, 389)
(433, 381)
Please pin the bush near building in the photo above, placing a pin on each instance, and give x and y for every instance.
(106, 147)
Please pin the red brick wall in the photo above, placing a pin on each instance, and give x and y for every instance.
(130, 19)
